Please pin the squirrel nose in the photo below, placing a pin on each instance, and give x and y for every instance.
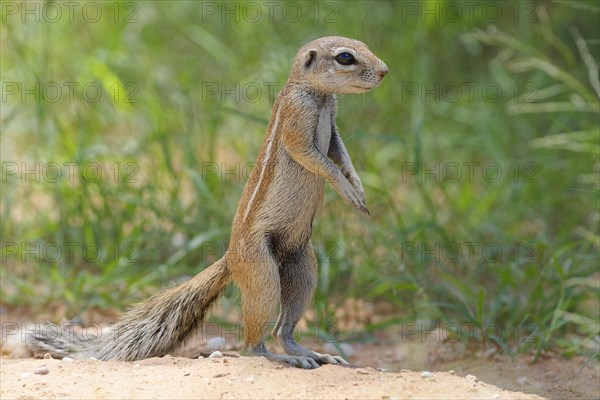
(383, 70)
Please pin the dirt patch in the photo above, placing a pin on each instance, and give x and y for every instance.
(242, 377)
(552, 376)
(378, 373)
(385, 367)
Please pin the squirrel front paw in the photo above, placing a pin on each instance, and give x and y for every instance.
(353, 195)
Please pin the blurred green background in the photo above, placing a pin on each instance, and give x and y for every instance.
(128, 129)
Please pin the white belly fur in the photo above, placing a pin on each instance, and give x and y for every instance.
(324, 130)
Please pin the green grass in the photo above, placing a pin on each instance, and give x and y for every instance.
(509, 248)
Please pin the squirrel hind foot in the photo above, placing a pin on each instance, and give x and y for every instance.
(294, 361)
(294, 349)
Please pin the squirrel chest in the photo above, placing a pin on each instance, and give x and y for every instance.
(323, 132)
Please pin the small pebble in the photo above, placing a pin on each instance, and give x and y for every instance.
(216, 354)
(250, 379)
(136, 365)
(471, 378)
(426, 374)
(93, 359)
(67, 359)
(451, 372)
(25, 375)
(47, 356)
(41, 371)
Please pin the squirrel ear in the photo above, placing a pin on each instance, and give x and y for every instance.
(309, 57)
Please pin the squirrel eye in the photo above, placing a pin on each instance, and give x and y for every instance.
(345, 58)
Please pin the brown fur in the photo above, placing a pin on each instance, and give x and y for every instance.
(270, 257)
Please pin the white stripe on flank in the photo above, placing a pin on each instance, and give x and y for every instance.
(265, 162)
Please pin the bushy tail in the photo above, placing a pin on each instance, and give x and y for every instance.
(153, 328)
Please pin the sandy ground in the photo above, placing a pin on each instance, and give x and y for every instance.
(448, 375)
(385, 367)
(229, 377)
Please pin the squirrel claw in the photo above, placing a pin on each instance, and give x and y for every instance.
(295, 361)
(329, 359)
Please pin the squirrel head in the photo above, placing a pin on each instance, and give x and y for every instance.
(337, 64)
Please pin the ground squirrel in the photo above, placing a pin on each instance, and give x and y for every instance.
(270, 256)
